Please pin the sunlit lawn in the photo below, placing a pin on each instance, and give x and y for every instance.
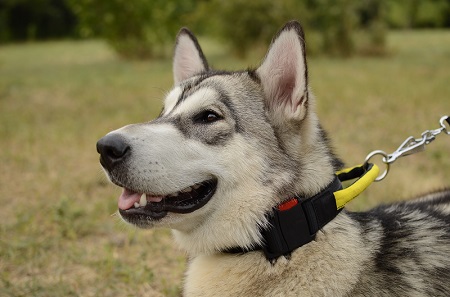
(57, 235)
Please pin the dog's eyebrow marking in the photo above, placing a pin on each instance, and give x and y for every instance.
(191, 86)
(184, 93)
(188, 89)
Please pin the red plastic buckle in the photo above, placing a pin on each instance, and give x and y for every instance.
(288, 204)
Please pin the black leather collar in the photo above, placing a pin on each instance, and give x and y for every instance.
(295, 223)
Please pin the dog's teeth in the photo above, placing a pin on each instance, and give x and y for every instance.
(196, 186)
(136, 205)
(186, 190)
(173, 195)
(143, 200)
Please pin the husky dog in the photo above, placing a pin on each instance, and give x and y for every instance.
(227, 148)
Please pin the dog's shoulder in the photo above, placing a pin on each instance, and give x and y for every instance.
(409, 246)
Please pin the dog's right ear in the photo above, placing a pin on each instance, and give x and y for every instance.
(284, 74)
(188, 59)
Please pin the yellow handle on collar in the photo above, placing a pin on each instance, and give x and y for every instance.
(366, 174)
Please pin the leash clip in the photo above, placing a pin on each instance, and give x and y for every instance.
(410, 146)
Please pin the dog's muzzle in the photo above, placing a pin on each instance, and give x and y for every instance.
(141, 204)
(113, 150)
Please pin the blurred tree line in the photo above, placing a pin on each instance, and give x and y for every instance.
(144, 28)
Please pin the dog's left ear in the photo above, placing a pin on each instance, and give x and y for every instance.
(188, 59)
(284, 75)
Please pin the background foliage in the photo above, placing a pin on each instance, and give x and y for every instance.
(22, 20)
(144, 28)
(136, 29)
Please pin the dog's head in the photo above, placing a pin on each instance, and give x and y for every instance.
(226, 148)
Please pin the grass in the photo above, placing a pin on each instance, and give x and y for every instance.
(57, 235)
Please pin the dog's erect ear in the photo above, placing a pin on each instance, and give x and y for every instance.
(284, 74)
(188, 59)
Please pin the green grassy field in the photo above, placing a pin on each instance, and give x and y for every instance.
(59, 235)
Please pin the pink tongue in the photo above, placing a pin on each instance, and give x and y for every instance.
(128, 198)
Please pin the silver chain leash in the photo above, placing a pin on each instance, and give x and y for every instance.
(410, 146)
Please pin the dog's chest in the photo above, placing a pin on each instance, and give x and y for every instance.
(225, 275)
(253, 275)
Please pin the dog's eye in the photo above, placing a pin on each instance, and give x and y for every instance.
(207, 116)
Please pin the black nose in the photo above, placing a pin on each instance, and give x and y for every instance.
(113, 149)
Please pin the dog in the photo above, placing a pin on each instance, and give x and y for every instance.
(229, 148)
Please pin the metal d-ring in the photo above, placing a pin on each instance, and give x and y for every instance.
(385, 158)
(445, 128)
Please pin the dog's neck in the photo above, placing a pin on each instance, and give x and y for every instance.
(295, 223)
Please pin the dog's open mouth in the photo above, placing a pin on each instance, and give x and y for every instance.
(134, 205)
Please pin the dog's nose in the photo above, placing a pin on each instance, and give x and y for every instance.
(113, 149)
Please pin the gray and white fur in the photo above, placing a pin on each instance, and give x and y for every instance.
(227, 148)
